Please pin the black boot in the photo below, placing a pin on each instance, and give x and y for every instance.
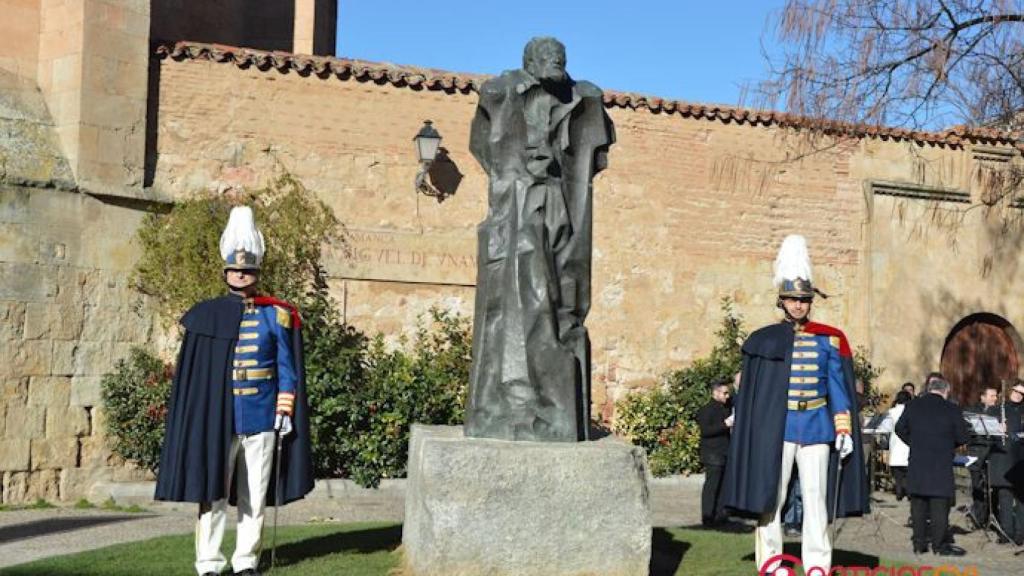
(950, 550)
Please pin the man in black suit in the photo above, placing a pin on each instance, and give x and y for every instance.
(715, 423)
(1007, 468)
(933, 428)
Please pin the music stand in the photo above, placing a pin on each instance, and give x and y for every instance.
(988, 427)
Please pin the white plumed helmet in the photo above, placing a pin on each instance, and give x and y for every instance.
(241, 244)
(793, 268)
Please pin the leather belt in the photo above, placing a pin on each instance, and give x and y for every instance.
(246, 391)
(801, 405)
(252, 374)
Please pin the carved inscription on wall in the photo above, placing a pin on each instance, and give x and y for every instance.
(400, 256)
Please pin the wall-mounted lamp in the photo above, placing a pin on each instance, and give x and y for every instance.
(438, 177)
(428, 140)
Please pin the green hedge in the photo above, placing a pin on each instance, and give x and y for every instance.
(135, 401)
(366, 401)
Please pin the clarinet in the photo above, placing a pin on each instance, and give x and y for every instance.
(1002, 410)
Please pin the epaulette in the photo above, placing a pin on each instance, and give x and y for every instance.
(284, 316)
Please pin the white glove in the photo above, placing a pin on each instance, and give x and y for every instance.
(730, 420)
(844, 445)
(283, 424)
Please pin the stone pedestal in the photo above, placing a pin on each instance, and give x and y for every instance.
(477, 507)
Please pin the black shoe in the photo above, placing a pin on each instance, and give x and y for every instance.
(920, 549)
(248, 572)
(950, 550)
(211, 573)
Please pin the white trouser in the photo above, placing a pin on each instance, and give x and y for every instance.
(249, 465)
(816, 550)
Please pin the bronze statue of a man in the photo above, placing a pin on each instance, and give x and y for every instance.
(541, 137)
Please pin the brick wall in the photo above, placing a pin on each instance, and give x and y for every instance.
(689, 211)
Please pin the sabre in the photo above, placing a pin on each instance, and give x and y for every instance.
(278, 448)
(835, 500)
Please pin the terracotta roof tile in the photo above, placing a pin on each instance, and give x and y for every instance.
(446, 81)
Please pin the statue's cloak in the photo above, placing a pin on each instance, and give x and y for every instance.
(540, 148)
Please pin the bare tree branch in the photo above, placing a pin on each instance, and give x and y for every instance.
(916, 63)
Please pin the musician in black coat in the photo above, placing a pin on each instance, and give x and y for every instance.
(1008, 468)
(933, 428)
(715, 422)
(983, 448)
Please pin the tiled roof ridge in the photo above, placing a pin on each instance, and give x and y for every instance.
(432, 79)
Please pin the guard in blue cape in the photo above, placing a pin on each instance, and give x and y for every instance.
(796, 405)
(238, 403)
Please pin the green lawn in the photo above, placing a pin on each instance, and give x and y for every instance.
(368, 550)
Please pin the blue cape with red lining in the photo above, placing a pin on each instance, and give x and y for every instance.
(752, 470)
(200, 415)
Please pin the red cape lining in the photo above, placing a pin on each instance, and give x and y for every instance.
(271, 301)
(826, 330)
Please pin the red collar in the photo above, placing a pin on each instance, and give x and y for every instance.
(271, 301)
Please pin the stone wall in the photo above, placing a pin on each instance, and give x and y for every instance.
(73, 85)
(67, 314)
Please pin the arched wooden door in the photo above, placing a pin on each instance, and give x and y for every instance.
(980, 351)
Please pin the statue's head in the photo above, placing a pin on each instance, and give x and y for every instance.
(544, 59)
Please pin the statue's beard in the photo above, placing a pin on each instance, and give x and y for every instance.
(554, 76)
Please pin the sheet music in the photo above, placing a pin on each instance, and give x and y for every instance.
(965, 461)
(886, 425)
(983, 424)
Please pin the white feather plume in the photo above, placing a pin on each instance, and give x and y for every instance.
(241, 234)
(793, 260)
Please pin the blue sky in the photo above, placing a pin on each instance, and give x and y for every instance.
(695, 50)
